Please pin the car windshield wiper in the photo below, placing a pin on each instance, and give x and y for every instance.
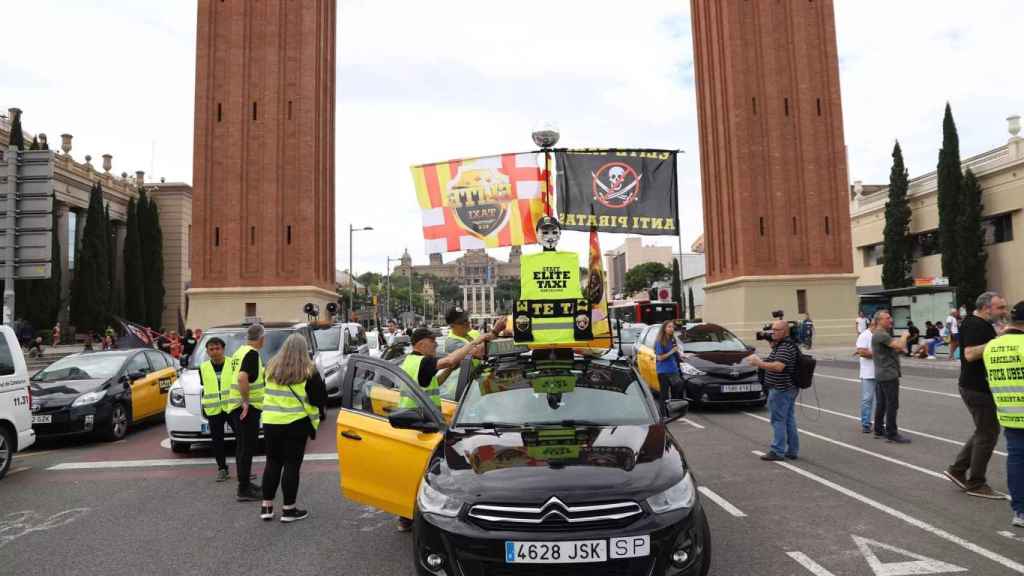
(568, 422)
(488, 425)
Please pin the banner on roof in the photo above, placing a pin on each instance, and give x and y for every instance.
(483, 202)
(627, 191)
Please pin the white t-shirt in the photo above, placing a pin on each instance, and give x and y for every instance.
(867, 365)
(862, 325)
(951, 325)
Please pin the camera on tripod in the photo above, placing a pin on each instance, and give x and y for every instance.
(766, 330)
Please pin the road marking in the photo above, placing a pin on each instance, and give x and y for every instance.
(861, 450)
(725, 504)
(902, 387)
(902, 429)
(174, 462)
(1011, 535)
(17, 524)
(920, 564)
(692, 423)
(811, 565)
(952, 538)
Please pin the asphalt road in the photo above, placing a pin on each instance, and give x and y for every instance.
(850, 506)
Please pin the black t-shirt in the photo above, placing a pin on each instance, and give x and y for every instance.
(217, 368)
(251, 365)
(188, 346)
(428, 369)
(913, 331)
(974, 331)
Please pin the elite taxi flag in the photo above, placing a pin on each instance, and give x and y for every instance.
(480, 202)
(627, 191)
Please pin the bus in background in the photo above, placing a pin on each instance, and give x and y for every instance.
(650, 312)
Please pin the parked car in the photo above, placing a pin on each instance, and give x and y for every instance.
(335, 344)
(103, 393)
(16, 431)
(566, 466)
(712, 369)
(184, 419)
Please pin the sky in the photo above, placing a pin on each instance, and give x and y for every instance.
(428, 81)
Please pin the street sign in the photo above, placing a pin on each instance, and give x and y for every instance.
(26, 219)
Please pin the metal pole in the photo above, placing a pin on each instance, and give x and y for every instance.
(410, 294)
(387, 297)
(351, 278)
(9, 224)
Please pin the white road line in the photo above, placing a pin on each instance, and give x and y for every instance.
(692, 423)
(952, 538)
(861, 450)
(811, 565)
(1011, 535)
(902, 386)
(172, 462)
(902, 429)
(725, 504)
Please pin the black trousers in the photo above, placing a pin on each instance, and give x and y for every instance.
(887, 405)
(217, 435)
(977, 451)
(666, 382)
(247, 434)
(286, 447)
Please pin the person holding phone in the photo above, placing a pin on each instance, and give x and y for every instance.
(667, 354)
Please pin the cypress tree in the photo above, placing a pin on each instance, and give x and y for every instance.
(693, 309)
(971, 236)
(152, 261)
(134, 291)
(677, 285)
(111, 263)
(950, 182)
(898, 260)
(91, 287)
(17, 136)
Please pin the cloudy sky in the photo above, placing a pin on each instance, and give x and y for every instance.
(427, 81)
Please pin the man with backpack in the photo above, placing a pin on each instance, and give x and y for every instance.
(779, 371)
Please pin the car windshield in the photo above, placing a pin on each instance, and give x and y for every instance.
(232, 340)
(591, 394)
(711, 339)
(328, 339)
(81, 367)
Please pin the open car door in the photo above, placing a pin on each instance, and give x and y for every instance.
(381, 466)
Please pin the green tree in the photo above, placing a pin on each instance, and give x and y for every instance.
(677, 283)
(152, 240)
(90, 291)
(950, 182)
(693, 309)
(506, 292)
(898, 244)
(640, 277)
(17, 136)
(972, 255)
(134, 290)
(115, 304)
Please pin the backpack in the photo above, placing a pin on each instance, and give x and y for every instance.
(803, 378)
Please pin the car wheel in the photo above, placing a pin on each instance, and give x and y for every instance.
(6, 450)
(118, 425)
(180, 447)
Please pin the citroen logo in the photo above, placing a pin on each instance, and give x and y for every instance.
(554, 508)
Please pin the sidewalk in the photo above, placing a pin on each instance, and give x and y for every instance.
(844, 355)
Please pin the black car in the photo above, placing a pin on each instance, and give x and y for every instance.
(101, 393)
(713, 371)
(548, 467)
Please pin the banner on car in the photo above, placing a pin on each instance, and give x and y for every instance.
(618, 190)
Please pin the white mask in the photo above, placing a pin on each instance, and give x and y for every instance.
(549, 237)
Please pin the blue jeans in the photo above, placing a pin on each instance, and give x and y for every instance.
(782, 404)
(1015, 467)
(867, 401)
(931, 346)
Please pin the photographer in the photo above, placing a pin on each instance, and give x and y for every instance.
(779, 371)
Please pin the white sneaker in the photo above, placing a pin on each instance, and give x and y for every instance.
(1018, 520)
(931, 357)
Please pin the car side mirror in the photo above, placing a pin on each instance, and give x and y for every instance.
(411, 420)
(677, 409)
(751, 348)
(133, 376)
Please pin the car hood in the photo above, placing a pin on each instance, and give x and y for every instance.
(63, 391)
(721, 363)
(531, 465)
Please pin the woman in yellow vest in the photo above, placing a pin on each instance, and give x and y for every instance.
(1004, 363)
(293, 400)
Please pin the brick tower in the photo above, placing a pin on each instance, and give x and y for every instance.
(773, 165)
(263, 199)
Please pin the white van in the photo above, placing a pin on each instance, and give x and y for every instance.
(15, 400)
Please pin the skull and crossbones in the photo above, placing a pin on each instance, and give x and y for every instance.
(616, 175)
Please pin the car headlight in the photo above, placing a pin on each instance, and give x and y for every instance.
(177, 397)
(689, 370)
(430, 500)
(88, 398)
(681, 495)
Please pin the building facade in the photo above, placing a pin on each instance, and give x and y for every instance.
(773, 164)
(630, 254)
(476, 273)
(73, 181)
(263, 231)
(1000, 173)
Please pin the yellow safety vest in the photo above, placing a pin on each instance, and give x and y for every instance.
(255, 388)
(473, 335)
(549, 276)
(411, 366)
(1004, 362)
(551, 308)
(286, 404)
(215, 388)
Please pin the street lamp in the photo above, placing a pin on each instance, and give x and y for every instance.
(351, 271)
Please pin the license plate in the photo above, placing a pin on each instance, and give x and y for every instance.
(741, 388)
(42, 419)
(578, 551)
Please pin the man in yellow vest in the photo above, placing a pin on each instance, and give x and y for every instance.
(459, 333)
(215, 376)
(423, 366)
(246, 401)
(1004, 362)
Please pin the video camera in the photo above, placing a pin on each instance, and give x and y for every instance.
(766, 330)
